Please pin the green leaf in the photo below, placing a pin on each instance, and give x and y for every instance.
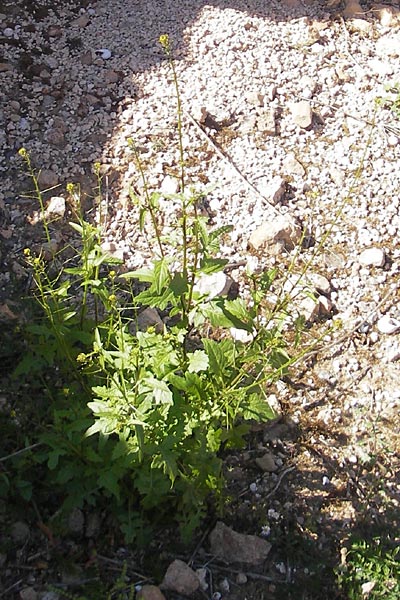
(146, 275)
(179, 284)
(109, 481)
(257, 408)
(77, 228)
(53, 458)
(25, 489)
(234, 437)
(212, 265)
(198, 361)
(214, 439)
(215, 355)
(159, 389)
(99, 408)
(167, 462)
(239, 309)
(162, 275)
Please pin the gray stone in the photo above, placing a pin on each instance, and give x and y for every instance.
(181, 579)
(55, 137)
(76, 521)
(149, 317)
(20, 532)
(234, 547)
(266, 463)
(111, 76)
(28, 593)
(47, 179)
(87, 58)
(81, 21)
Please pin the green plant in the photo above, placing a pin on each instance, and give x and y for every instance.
(371, 571)
(142, 414)
(391, 101)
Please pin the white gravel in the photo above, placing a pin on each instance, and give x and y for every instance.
(80, 83)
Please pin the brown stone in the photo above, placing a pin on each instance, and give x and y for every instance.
(181, 579)
(81, 21)
(235, 547)
(111, 76)
(150, 592)
(47, 179)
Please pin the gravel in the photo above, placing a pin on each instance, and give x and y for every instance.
(272, 92)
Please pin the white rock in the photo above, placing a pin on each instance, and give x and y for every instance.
(367, 587)
(104, 53)
(241, 335)
(149, 592)
(361, 25)
(114, 250)
(169, 185)
(275, 235)
(388, 45)
(319, 282)
(216, 284)
(55, 207)
(8, 32)
(255, 99)
(292, 166)
(302, 113)
(372, 257)
(388, 325)
(203, 574)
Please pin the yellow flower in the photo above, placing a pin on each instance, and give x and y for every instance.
(112, 274)
(112, 298)
(96, 168)
(22, 152)
(164, 41)
(27, 252)
(70, 188)
(81, 358)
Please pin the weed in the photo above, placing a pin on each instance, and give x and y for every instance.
(392, 101)
(370, 571)
(130, 418)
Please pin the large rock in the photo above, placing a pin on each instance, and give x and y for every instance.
(235, 547)
(181, 579)
(276, 235)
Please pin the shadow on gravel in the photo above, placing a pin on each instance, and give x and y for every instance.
(317, 507)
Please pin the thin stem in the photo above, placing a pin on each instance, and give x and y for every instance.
(24, 154)
(149, 204)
